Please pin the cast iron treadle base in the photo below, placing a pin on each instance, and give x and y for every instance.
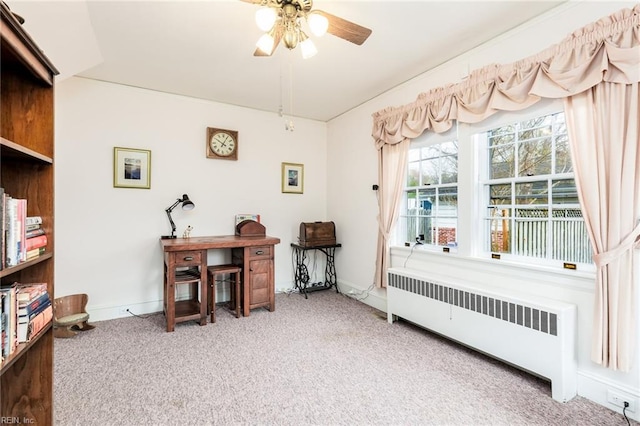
(301, 271)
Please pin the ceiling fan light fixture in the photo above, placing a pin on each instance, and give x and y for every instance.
(307, 46)
(318, 24)
(266, 42)
(283, 21)
(266, 18)
(290, 38)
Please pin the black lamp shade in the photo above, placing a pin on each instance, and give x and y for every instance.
(187, 204)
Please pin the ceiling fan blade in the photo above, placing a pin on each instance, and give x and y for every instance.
(344, 29)
(252, 1)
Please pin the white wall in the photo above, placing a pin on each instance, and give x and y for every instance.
(107, 239)
(352, 203)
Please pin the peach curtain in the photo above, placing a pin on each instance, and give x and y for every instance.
(604, 132)
(391, 158)
(603, 52)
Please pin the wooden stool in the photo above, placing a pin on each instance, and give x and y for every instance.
(70, 316)
(234, 272)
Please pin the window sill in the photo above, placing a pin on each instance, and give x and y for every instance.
(471, 267)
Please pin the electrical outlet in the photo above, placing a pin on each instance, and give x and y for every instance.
(619, 400)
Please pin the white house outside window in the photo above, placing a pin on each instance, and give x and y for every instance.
(430, 208)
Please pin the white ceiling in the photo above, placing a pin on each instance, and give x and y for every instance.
(204, 49)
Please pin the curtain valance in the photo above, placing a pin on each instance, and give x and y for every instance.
(607, 50)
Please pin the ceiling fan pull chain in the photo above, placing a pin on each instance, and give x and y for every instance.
(281, 94)
(289, 124)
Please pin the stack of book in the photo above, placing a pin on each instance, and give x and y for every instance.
(22, 237)
(36, 239)
(25, 310)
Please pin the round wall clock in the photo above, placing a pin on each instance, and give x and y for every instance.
(222, 144)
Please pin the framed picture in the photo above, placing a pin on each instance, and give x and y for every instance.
(131, 168)
(293, 178)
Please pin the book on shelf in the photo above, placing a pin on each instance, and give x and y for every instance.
(2, 227)
(30, 291)
(14, 225)
(9, 312)
(30, 324)
(35, 242)
(3, 326)
(29, 307)
(33, 220)
(34, 232)
(40, 322)
(34, 227)
(22, 238)
(12, 228)
(32, 254)
(247, 216)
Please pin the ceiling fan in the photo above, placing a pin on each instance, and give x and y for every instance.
(281, 21)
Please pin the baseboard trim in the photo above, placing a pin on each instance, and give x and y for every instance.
(596, 389)
(376, 297)
(103, 313)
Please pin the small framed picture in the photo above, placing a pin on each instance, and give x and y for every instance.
(131, 168)
(293, 178)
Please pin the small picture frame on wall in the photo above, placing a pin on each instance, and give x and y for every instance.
(293, 178)
(131, 168)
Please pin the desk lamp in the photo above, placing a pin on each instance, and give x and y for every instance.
(187, 204)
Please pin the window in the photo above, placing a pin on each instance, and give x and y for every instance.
(430, 208)
(531, 202)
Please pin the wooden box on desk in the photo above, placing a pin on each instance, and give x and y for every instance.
(250, 228)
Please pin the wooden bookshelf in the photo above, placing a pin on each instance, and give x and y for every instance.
(26, 159)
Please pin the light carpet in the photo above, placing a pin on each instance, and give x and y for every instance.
(325, 360)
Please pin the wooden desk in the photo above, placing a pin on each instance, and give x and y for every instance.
(254, 254)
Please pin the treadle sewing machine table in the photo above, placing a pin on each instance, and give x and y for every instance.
(301, 271)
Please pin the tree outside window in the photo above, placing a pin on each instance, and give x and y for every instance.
(532, 202)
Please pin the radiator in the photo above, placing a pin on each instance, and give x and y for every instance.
(535, 334)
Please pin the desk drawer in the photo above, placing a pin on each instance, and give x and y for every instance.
(260, 252)
(188, 258)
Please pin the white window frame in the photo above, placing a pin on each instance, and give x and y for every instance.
(426, 140)
(482, 234)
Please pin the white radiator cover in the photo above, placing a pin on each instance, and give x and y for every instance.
(532, 333)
